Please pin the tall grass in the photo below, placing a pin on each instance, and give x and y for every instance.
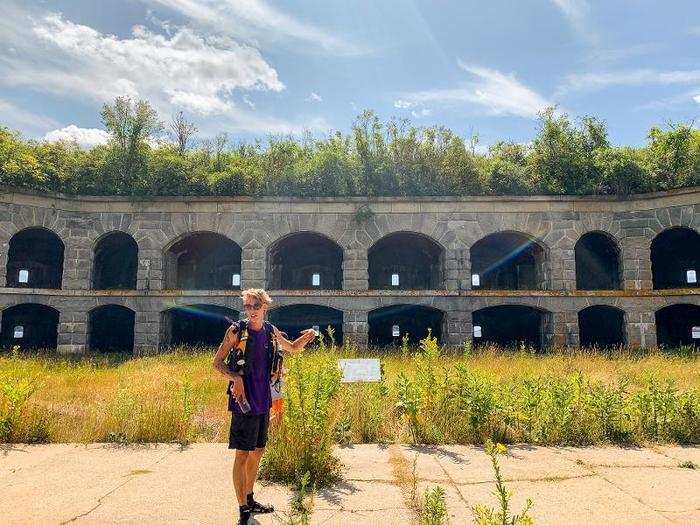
(428, 394)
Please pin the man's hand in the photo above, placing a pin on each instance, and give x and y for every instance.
(237, 389)
(307, 336)
(298, 344)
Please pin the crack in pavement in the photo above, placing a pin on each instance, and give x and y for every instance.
(112, 491)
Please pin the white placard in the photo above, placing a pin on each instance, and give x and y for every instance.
(395, 330)
(360, 370)
(695, 332)
(236, 279)
(23, 276)
(475, 279)
(316, 280)
(19, 332)
(477, 330)
(316, 328)
(394, 279)
(691, 276)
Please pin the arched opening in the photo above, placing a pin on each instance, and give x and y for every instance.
(597, 262)
(111, 329)
(203, 261)
(508, 261)
(601, 326)
(295, 318)
(35, 259)
(389, 324)
(196, 325)
(678, 325)
(115, 262)
(675, 259)
(405, 261)
(511, 325)
(29, 325)
(305, 261)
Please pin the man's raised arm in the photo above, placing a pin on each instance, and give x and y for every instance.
(298, 344)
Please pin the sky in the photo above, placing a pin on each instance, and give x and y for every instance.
(252, 68)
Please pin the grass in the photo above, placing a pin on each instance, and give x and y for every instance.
(428, 395)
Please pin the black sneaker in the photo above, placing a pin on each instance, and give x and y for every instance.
(245, 517)
(259, 508)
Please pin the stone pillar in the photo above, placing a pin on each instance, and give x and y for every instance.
(150, 274)
(77, 261)
(457, 269)
(636, 264)
(571, 330)
(457, 327)
(566, 269)
(355, 275)
(253, 265)
(4, 250)
(640, 328)
(72, 330)
(555, 332)
(356, 326)
(147, 331)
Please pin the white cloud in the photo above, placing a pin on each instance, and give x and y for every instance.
(423, 112)
(314, 97)
(489, 89)
(248, 102)
(696, 98)
(84, 137)
(598, 80)
(577, 12)
(403, 104)
(260, 22)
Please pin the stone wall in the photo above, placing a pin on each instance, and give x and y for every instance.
(454, 223)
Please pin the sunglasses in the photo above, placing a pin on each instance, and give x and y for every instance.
(256, 306)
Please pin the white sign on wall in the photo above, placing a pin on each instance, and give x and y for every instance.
(395, 331)
(695, 332)
(475, 279)
(360, 370)
(236, 279)
(316, 279)
(691, 276)
(24, 276)
(394, 279)
(19, 332)
(477, 330)
(316, 328)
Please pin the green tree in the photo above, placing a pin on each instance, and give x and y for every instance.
(673, 156)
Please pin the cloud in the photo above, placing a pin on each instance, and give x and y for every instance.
(84, 137)
(423, 112)
(494, 92)
(15, 117)
(248, 102)
(599, 80)
(257, 21)
(577, 13)
(696, 98)
(314, 97)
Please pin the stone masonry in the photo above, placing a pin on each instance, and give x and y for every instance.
(555, 222)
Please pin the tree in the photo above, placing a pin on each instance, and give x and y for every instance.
(182, 131)
(673, 156)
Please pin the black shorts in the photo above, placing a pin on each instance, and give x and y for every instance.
(248, 432)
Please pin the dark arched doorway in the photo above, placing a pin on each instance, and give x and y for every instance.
(115, 263)
(405, 261)
(35, 259)
(508, 261)
(675, 259)
(511, 325)
(678, 325)
(199, 325)
(29, 325)
(293, 319)
(601, 326)
(305, 261)
(597, 262)
(388, 325)
(111, 329)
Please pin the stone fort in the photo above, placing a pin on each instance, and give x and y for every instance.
(83, 273)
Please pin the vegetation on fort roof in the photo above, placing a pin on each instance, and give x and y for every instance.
(375, 158)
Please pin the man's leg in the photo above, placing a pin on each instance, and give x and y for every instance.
(252, 466)
(240, 473)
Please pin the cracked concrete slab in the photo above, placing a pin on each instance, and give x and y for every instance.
(158, 484)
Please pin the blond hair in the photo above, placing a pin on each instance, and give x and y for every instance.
(257, 293)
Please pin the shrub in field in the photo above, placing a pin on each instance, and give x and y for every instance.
(19, 422)
(303, 442)
(434, 508)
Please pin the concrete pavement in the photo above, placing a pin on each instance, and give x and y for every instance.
(104, 484)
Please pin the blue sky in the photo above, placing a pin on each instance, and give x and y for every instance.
(255, 67)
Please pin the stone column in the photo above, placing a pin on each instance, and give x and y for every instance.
(355, 275)
(555, 330)
(571, 330)
(356, 326)
(636, 263)
(147, 331)
(457, 269)
(457, 327)
(72, 330)
(253, 265)
(640, 327)
(77, 261)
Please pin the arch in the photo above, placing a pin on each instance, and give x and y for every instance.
(601, 326)
(29, 325)
(294, 318)
(411, 319)
(35, 259)
(199, 325)
(674, 252)
(416, 259)
(305, 260)
(115, 262)
(674, 325)
(597, 256)
(202, 261)
(508, 260)
(511, 325)
(111, 328)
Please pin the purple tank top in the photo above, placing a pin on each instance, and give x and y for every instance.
(257, 381)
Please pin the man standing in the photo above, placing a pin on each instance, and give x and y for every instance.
(249, 388)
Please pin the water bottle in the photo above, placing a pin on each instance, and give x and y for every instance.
(243, 405)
